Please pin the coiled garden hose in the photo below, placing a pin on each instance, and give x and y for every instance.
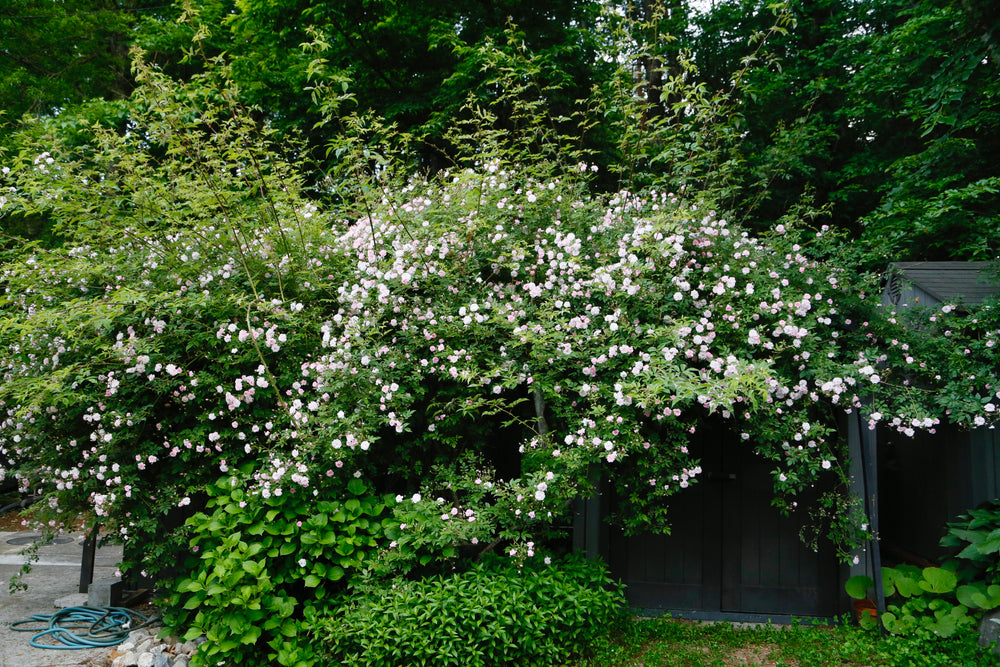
(82, 627)
(19, 505)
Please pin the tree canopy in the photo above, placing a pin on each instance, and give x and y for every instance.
(56, 54)
(883, 114)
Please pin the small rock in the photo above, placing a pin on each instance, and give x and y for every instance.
(188, 648)
(162, 660)
(989, 631)
(181, 660)
(128, 659)
(126, 646)
(146, 660)
(73, 600)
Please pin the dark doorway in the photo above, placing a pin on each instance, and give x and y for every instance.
(730, 551)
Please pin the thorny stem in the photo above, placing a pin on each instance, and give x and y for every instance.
(260, 355)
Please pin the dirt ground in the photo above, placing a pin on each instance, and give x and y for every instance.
(11, 522)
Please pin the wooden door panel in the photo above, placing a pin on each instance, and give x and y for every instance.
(729, 549)
(682, 567)
(766, 567)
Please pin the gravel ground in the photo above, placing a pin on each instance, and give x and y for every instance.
(56, 576)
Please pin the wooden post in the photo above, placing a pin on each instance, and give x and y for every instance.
(87, 563)
(869, 476)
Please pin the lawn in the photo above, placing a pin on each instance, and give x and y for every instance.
(651, 642)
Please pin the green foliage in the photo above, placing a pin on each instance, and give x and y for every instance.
(858, 586)
(973, 542)
(882, 113)
(941, 601)
(57, 54)
(493, 614)
(166, 248)
(665, 123)
(940, 195)
(202, 313)
(928, 602)
(667, 642)
(479, 344)
(265, 562)
(413, 64)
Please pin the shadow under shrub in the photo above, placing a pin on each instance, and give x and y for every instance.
(496, 613)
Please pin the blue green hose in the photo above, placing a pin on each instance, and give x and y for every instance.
(82, 627)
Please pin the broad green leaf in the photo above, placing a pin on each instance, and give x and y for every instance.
(903, 581)
(991, 545)
(938, 580)
(251, 567)
(857, 586)
(189, 586)
(969, 593)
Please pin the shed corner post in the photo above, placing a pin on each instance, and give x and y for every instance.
(862, 442)
(587, 524)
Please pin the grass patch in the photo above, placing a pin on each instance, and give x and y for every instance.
(651, 642)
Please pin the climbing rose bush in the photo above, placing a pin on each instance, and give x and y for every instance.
(474, 346)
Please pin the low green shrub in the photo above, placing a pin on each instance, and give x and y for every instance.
(494, 614)
(927, 602)
(943, 601)
(959, 650)
(265, 564)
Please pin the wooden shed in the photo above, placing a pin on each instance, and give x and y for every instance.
(929, 283)
(930, 479)
(732, 555)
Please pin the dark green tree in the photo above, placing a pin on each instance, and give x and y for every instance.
(883, 113)
(55, 54)
(940, 195)
(413, 64)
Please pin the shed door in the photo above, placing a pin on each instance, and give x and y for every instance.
(729, 550)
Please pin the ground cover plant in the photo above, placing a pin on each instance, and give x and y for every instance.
(942, 601)
(665, 642)
(292, 390)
